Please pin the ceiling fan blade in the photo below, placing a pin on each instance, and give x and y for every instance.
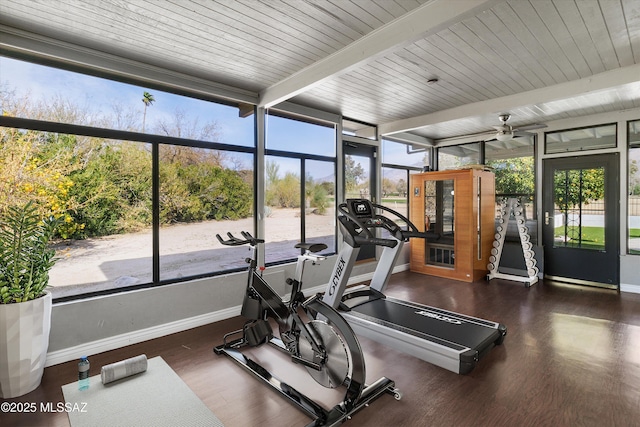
(504, 136)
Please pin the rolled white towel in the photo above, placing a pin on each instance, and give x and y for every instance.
(123, 369)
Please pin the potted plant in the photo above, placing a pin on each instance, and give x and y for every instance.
(25, 304)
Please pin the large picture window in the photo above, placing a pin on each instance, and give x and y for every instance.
(513, 163)
(514, 167)
(203, 192)
(142, 180)
(582, 139)
(39, 92)
(300, 168)
(455, 156)
(399, 160)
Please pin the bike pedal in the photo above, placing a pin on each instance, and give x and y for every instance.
(257, 332)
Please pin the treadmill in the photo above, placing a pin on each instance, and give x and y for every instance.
(444, 338)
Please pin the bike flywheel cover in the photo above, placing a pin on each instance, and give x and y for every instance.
(335, 368)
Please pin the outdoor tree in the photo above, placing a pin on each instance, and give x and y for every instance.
(181, 125)
(147, 100)
(401, 187)
(575, 186)
(201, 192)
(388, 187)
(122, 117)
(514, 175)
(272, 170)
(284, 192)
(101, 186)
(35, 166)
(634, 178)
(113, 190)
(329, 188)
(353, 173)
(316, 195)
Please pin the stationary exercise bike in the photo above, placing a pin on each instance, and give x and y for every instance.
(313, 333)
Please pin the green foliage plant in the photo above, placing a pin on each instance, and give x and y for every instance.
(318, 199)
(576, 186)
(514, 175)
(25, 257)
(285, 192)
(353, 173)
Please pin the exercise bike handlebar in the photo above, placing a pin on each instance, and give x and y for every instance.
(234, 241)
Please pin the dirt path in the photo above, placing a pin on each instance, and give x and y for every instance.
(185, 250)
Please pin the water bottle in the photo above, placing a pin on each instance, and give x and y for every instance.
(83, 373)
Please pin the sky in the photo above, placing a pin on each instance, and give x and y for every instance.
(97, 95)
(45, 83)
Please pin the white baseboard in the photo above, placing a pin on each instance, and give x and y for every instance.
(399, 268)
(634, 289)
(117, 341)
(111, 343)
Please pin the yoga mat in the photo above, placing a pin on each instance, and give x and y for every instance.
(156, 397)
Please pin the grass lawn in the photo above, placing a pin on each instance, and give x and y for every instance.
(396, 200)
(592, 237)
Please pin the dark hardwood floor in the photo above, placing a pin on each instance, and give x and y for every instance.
(571, 357)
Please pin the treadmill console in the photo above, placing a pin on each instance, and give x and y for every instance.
(364, 210)
(360, 208)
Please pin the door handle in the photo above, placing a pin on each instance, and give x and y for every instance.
(546, 218)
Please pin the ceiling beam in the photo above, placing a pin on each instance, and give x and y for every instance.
(411, 138)
(601, 81)
(426, 19)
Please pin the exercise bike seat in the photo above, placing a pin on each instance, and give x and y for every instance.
(312, 247)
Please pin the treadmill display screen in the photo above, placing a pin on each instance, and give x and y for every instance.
(361, 208)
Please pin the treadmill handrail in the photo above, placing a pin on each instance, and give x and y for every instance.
(399, 215)
(413, 230)
(368, 238)
(375, 241)
(404, 235)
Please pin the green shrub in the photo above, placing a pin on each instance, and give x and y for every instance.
(285, 192)
(318, 198)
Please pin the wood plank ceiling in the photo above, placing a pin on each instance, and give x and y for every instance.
(371, 60)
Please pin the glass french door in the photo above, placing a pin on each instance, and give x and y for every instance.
(581, 220)
(360, 180)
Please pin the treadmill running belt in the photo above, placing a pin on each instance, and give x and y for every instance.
(443, 325)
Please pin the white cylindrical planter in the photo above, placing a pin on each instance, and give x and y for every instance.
(24, 341)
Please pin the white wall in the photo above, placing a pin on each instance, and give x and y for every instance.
(94, 325)
(630, 273)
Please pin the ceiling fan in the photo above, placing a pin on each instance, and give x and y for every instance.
(506, 132)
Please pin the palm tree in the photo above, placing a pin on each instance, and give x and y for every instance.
(147, 99)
